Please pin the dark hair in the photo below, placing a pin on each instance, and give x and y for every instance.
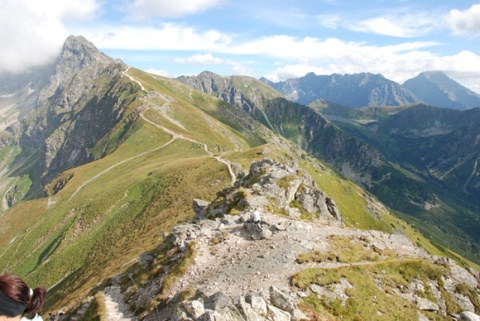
(13, 288)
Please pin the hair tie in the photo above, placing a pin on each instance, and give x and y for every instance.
(31, 292)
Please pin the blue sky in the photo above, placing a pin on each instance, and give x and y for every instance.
(275, 39)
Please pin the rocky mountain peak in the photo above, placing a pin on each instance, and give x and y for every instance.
(436, 88)
(80, 52)
(355, 90)
(434, 74)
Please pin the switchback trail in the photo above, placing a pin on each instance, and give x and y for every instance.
(174, 137)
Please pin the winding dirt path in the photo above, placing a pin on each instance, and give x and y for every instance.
(204, 146)
(116, 310)
(118, 164)
(168, 131)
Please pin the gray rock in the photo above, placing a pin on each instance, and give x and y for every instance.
(426, 305)
(194, 309)
(464, 302)
(277, 314)
(199, 206)
(231, 313)
(180, 316)
(217, 301)
(281, 299)
(211, 316)
(246, 310)
(146, 259)
(469, 316)
(298, 315)
(257, 302)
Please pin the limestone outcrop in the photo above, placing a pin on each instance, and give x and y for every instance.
(275, 187)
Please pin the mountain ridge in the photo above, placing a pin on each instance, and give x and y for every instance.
(439, 90)
(122, 218)
(374, 90)
(355, 90)
(358, 157)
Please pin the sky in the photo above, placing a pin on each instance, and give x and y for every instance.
(276, 39)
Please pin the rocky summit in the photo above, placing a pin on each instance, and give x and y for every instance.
(232, 269)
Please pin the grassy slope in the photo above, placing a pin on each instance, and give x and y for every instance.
(124, 211)
(70, 244)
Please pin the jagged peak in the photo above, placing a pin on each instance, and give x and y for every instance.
(75, 41)
(430, 73)
(79, 52)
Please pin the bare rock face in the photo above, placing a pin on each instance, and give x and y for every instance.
(469, 316)
(278, 188)
(280, 306)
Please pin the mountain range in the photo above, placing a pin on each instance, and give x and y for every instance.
(413, 158)
(121, 187)
(373, 90)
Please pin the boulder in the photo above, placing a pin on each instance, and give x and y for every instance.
(281, 299)
(199, 206)
(211, 316)
(426, 305)
(469, 316)
(194, 309)
(217, 301)
(246, 310)
(277, 314)
(257, 302)
(231, 313)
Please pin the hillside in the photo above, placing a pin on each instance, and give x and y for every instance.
(439, 146)
(438, 89)
(289, 267)
(123, 187)
(365, 157)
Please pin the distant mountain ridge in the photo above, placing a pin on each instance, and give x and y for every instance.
(437, 89)
(373, 90)
(355, 90)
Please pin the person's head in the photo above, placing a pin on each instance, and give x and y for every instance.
(17, 299)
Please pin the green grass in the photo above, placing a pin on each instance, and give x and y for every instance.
(74, 244)
(344, 249)
(348, 197)
(372, 295)
(77, 238)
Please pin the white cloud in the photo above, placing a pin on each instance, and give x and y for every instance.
(397, 24)
(168, 37)
(159, 72)
(296, 57)
(466, 22)
(142, 9)
(242, 68)
(32, 32)
(200, 59)
(331, 21)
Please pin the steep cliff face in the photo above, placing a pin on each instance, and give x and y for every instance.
(355, 90)
(78, 102)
